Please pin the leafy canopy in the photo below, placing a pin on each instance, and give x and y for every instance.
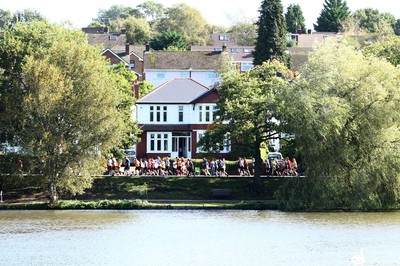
(347, 127)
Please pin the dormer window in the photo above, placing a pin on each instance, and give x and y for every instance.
(234, 50)
(223, 37)
(246, 50)
(113, 37)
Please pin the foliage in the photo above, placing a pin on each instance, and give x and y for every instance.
(27, 15)
(96, 24)
(271, 40)
(137, 30)
(249, 107)
(332, 16)
(110, 16)
(5, 18)
(58, 105)
(152, 11)
(372, 21)
(186, 20)
(295, 21)
(124, 79)
(225, 65)
(168, 40)
(387, 48)
(347, 126)
(244, 33)
(145, 87)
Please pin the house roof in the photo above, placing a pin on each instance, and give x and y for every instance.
(181, 60)
(177, 90)
(106, 40)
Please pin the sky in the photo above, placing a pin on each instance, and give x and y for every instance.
(222, 13)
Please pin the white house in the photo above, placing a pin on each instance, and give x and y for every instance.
(173, 117)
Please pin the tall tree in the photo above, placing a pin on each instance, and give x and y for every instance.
(169, 40)
(249, 108)
(27, 15)
(137, 30)
(60, 107)
(372, 21)
(244, 33)
(110, 16)
(5, 18)
(295, 21)
(271, 39)
(332, 16)
(346, 121)
(151, 10)
(188, 21)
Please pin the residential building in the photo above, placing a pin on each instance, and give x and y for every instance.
(116, 49)
(161, 66)
(173, 117)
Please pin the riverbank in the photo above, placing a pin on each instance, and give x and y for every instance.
(152, 192)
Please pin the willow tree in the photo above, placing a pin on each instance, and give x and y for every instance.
(249, 109)
(347, 127)
(59, 101)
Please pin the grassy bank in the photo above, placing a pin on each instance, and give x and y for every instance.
(139, 205)
(150, 192)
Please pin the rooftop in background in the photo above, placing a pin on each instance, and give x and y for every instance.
(176, 90)
(181, 60)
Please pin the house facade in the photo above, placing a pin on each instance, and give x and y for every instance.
(173, 117)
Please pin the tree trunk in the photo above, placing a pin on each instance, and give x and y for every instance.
(257, 185)
(53, 191)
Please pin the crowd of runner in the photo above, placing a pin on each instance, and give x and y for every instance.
(185, 167)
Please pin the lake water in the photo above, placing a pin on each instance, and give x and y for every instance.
(197, 238)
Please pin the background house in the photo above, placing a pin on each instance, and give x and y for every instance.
(173, 117)
(161, 66)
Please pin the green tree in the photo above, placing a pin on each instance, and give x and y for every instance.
(244, 33)
(27, 15)
(387, 49)
(294, 19)
(144, 88)
(345, 118)
(109, 17)
(332, 16)
(188, 21)
(169, 40)
(5, 18)
(248, 109)
(271, 39)
(372, 21)
(151, 10)
(137, 30)
(61, 107)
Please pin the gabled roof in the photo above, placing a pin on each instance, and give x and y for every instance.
(106, 40)
(181, 60)
(177, 90)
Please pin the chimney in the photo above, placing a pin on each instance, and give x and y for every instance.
(135, 89)
(127, 49)
(147, 48)
(223, 47)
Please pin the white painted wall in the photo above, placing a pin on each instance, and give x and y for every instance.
(190, 116)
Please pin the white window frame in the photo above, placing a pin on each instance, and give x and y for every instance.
(158, 142)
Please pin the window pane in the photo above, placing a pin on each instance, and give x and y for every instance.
(151, 116)
(165, 117)
(158, 116)
(152, 145)
(174, 144)
(165, 144)
(159, 145)
(180, 116)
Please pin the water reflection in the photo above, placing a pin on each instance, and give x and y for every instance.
(197, 238)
